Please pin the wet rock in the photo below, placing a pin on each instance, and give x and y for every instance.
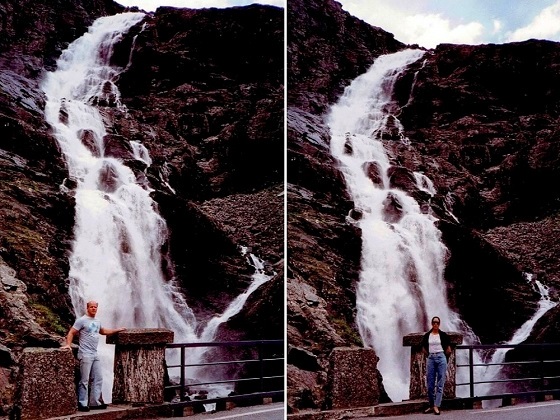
(374, 172)
(117, 146)
(402, 179)
(108, 178)
(392, 208)
(88, 139)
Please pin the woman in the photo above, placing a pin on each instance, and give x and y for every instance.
(436, 345)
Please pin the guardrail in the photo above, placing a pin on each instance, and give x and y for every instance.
(532, 370)
(258, 375)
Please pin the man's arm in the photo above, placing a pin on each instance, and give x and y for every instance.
(109, 331)
(70, 337)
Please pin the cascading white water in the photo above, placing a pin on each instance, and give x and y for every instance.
(403, 258)
(258, 278)
(494, 370)
(209, 332)
(401, 281)
(116, 255)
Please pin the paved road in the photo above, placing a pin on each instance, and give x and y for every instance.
(274, 411)
(535, 411)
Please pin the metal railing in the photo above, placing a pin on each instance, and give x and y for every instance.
(262, 363)
(541, 362)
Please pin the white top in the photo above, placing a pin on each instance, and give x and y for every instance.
(434, 343)
(89, 335)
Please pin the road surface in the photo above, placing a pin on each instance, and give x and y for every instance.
(549, 410)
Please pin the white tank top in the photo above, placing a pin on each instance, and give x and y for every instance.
(434, 343)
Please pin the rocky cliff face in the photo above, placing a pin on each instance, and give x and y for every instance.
(483, 125)
(327, 48)
(204, 90)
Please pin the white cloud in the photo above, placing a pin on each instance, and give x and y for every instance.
(546, 25)
(498, 25)
(429, 30)
(152, 5)
(406, 21)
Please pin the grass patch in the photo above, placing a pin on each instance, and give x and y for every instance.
(48, 319)
(346, 331)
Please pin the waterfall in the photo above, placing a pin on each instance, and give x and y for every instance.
(401, 283)
(116, 254)
(259, 277)
(208, 334)
(118, 234)
(494, 370)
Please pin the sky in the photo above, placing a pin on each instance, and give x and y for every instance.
(431, 22)
(152, 5)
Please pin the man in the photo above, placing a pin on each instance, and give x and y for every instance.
(89, 328)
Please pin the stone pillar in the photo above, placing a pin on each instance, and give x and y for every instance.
(353, 378)
(418, 389)
(139, 365)
(46, 385)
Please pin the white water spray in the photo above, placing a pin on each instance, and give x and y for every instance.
(401, 282)
(403, 258)
(116, 255)
(494, 370)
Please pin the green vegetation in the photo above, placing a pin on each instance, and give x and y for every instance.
(346, 331)
(48, 319)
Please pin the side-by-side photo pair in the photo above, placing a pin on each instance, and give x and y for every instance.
(279, 209)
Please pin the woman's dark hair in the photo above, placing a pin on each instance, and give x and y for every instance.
(436, 317)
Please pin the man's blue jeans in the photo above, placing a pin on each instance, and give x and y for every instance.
(435, 373)
(90, 369)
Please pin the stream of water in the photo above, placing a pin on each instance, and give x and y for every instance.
(401, 285)
(116, 255)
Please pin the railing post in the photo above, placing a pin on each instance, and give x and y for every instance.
(183, 374)
(471, 372)
(418, 388)
(140, 365)
(260, 347)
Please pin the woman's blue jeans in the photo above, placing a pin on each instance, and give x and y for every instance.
(435, 373)
(90, 369)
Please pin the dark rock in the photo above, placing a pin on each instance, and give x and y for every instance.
(481, 122)
(88, 139)
(6, 358)
(392, 208)
(340, 47)
(302, 359)
(117, 146)
(109, 178)
(204, 92)
(373, 171)
(402, 179)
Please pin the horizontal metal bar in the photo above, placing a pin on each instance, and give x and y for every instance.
(222, 362)
(226, 343)
(180, 404)
(226, 362)
(527, 362)
(508, 395)
(224, 382)
(505, 346)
